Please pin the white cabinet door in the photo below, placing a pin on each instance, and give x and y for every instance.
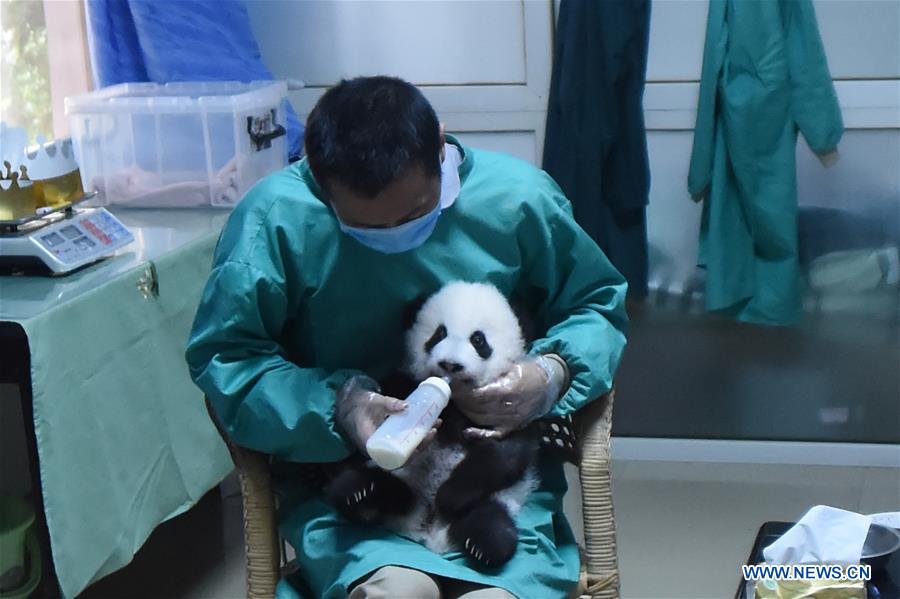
(484, 65)
(860, 36)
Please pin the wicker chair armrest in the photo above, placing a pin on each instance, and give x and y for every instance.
(260, 529)
(593, 423)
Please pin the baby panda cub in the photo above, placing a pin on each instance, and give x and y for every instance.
(455, 492)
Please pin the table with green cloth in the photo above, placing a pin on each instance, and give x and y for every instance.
(122, 438)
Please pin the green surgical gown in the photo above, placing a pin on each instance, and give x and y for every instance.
(293, 307)
(764, 77)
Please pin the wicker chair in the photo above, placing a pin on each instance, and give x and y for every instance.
(599, 568)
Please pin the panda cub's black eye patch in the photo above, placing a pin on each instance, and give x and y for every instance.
(439, 335)
(479, 342)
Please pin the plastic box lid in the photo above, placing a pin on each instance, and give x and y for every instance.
(188, 96)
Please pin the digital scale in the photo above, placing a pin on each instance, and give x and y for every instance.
(61, 240)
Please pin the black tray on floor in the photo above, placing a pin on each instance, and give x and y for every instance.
(885, 583)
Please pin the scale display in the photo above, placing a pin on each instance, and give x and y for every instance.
(92, 234)
(81, 237)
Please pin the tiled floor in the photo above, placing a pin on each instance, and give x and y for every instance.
(683, 529)
(694, 524)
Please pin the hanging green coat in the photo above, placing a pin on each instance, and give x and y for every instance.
(595, 145)
(764, 77)
(293, 307)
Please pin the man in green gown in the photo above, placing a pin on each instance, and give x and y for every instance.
(306, 297)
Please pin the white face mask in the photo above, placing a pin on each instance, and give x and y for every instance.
(393, 240)
(450, 184)
(410, 235)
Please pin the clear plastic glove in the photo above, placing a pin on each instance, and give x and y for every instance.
(361, 409)
(526, 392)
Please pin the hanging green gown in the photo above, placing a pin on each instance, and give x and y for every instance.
(595, 145)
(764, 77)
(293, 307)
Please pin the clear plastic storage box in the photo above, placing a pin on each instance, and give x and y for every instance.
(178, 144)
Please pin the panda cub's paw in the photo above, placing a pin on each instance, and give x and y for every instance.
(487, 534)
(369, 494)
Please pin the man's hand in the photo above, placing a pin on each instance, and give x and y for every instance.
(526, 392)
(361, 409)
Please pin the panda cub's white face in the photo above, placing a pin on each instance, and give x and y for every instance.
(466, 331)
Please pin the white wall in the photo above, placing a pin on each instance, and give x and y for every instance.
(484, 65)
(862, 38)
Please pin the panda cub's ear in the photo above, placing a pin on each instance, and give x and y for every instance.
(412, 310)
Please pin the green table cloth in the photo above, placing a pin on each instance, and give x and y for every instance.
(123, 437)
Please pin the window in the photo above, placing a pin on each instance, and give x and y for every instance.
(25, 74)
(43, 59)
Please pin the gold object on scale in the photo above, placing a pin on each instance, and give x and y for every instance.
(48, 177)
(58, 191)
(18, 196)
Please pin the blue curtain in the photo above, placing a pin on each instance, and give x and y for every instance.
(177, 40)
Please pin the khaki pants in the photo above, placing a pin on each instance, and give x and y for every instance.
(394, 582)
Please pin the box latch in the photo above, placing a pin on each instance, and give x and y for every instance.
(263, 129)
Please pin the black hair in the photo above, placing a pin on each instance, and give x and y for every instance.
(367, 131)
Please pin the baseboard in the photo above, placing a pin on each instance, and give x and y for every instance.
(756, 452)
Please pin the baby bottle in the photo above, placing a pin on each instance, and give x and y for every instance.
(394, 441)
